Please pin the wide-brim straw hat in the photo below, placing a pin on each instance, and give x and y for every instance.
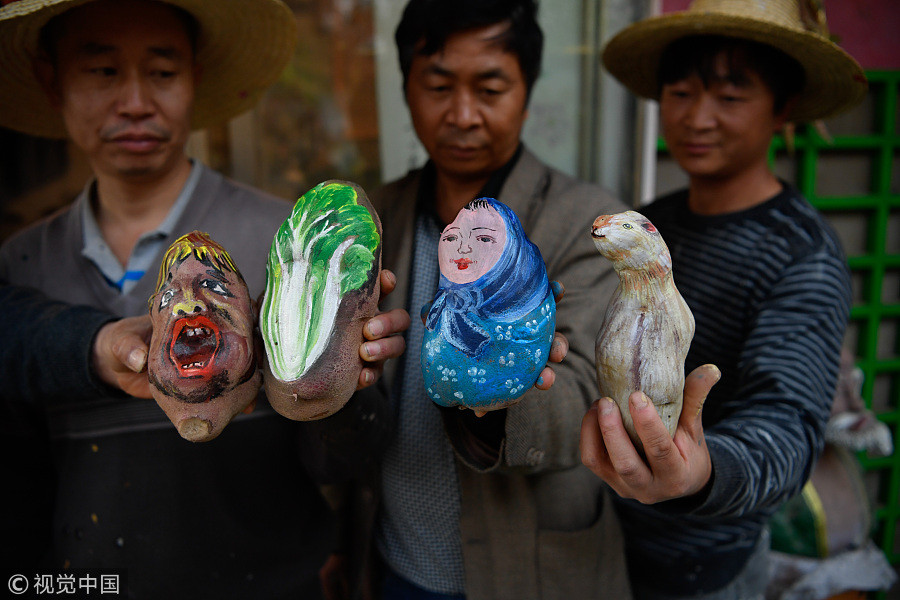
(242, 48)
(834, 80)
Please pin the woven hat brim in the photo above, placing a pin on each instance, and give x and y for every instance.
(243, 47)
(834, 80)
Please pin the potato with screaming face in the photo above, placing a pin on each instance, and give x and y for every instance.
(201, 366)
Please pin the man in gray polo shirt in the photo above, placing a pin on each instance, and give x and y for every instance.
(237, 517)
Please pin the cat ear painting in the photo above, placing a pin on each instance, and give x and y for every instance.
(201, 365)
(489, 329)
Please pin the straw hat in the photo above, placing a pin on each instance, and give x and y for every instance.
(243, 45)
(834, 81)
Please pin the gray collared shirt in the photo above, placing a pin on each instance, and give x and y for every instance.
(148, 246)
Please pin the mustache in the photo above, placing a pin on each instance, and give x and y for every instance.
(116, 130)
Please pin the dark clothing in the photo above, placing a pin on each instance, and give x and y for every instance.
(769, 288)
(236, 517)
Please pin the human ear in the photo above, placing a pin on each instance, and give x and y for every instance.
(781, 118)
(45, 73)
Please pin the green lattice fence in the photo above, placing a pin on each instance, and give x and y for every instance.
(854, 179)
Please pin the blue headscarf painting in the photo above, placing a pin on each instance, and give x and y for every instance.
(489, 329)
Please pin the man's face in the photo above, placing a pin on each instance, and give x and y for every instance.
(202, 344)
(468, 103)
(471, 245)
(124, 83)
(720, 131)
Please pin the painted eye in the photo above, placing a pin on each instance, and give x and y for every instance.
(215, 287)
(449, 238)
(166, 298)
(486, 239)
(626, 225)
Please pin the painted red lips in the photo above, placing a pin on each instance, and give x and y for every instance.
(462, 263)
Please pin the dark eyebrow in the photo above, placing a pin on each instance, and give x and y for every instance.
(217, 274)
(448, 228)
(166, 52)
(96, 49)
(493, 74)
(434, 69)
(488, 228)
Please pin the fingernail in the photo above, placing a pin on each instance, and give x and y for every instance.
(136, 360)
(374, 327)
(370, 349)
(607, 406)
(540, 380)
(708, 370)
(368, 376)
(639, 400)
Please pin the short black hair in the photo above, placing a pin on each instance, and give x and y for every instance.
(696, 55)
(55, 28)
(426, 25)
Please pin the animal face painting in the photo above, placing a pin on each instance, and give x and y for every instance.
(472, 244)
(202, 345)
(630, 241)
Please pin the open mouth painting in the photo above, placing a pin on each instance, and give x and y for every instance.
(202, 366)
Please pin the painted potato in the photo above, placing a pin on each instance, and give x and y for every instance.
(648, 326)
(201, 366)
(489, 329)
(321, 287)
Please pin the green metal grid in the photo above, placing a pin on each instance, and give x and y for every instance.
(874, 320)
(875, 315)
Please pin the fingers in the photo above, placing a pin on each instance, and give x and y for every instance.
(559, 290)
(384, 342)
(696, 388)
(120, 355)
(382, 330)
(607, 450)
(386, 324)
(388, 282)
(623, 455)
(559, 348)
(593, 448)
(129, 347)
(383, 349)
(660, 450)
(368, 376)
(546, 379)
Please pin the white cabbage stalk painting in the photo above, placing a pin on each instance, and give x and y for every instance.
(321, 286)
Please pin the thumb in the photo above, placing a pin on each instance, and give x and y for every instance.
(696, 387)
(131, 347)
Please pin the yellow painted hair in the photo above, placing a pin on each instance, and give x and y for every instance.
(203, 248)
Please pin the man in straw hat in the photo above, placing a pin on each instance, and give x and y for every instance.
(764, 276)
(126, 80)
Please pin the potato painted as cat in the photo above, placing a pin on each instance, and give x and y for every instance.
(648, 326)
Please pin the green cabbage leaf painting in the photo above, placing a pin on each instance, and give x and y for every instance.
(322, 252)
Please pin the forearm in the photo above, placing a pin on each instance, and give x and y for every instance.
(771, 422)
(46, 354)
